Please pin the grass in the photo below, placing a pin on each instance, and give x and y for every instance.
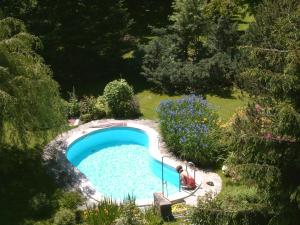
(149, 102)
(225, 106)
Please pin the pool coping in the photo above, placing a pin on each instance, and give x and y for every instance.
(157, 150)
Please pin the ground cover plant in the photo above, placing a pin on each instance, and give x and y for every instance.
(190, 129)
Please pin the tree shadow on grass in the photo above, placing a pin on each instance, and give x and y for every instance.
(223, 93)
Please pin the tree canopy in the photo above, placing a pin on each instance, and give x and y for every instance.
(80, 38)
(271, 64)
(264, 140)
(197, 52)
(29, 97)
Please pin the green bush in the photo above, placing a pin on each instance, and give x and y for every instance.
(101, 107)
(130, 215)
(189, 128)
(70, 200)
(120, 99)
(73, 107)
(223, 217)
(43, 222)
(105, 213)
(64, 217)
(152, 218)
(236, 205)
(92, 108)
(40, 205)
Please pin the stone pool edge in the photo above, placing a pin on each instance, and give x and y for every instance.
(70, 177)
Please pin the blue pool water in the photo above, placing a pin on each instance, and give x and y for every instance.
(117, 162)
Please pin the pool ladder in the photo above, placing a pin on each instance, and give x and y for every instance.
(163, 182)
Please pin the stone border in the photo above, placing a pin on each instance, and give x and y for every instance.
(71, 178)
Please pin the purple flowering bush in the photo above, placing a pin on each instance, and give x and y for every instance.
(189, 128)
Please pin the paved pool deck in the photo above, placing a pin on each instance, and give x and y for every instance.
(57, 150)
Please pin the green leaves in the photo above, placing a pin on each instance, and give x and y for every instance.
(189, 128)
(26, 82)
(270, 68)
(120, 99)
(197, 53)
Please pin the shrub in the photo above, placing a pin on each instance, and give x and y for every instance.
(101, 107)
(189, 128)
(64, 217)
(223, 217)
(70, 200)
(239, 205)
(92, 108)
(40, 205)
(43, 222)
(152, 218)
(73, 107)
(130, 215)
(120, 99)
(105, 213)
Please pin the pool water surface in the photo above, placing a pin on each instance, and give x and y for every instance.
(117, 162)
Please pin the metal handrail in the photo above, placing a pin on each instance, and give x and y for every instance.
(162, 174)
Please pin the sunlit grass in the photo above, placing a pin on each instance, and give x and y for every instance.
(149, 101)
(225, 106)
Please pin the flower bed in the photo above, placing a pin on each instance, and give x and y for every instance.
(189, 128)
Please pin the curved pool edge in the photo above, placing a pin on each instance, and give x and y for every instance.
(155, 146)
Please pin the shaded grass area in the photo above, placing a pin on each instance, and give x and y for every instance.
(22, 177)
(225, 106)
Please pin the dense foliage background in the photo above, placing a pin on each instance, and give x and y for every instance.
(196, 53)
(174, 47)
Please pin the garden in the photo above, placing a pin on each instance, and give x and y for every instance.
(219, 78)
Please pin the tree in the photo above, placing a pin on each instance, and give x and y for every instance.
(81, 38)
(197, 52)
(270, 68)
(264, 139)
(148, 12)
(17, 8)
(29, 97)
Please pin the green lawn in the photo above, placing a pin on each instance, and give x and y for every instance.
(225, 106)
(149, 102)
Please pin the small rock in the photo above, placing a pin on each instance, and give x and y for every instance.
(210, 183)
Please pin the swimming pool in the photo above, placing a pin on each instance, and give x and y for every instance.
(118, 163)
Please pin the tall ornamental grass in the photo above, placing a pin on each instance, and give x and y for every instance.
(190, 129)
